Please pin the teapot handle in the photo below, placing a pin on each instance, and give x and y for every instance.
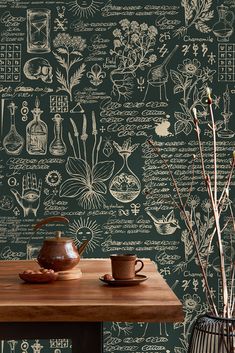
(231, 15)
(50, 220)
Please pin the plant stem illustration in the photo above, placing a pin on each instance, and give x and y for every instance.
(191, 81)
(88, 174)
(133, 48)
(197, 13)
(68, 53)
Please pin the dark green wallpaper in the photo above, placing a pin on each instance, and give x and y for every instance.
(83, 85)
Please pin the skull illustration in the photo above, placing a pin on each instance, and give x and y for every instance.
(38, 68)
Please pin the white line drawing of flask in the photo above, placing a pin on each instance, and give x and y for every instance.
(225, 132)
(13, 142)
(36, 133)
(57, 146)
(158, 76)
(223, 29)
(125, 186)
(38, 30)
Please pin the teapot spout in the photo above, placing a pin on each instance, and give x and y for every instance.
(82, 247)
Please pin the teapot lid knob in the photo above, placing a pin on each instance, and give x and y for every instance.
(58, 234)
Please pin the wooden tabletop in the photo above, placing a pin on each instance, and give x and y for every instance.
(87, 298)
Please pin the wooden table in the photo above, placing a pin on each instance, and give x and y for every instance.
(76, 309)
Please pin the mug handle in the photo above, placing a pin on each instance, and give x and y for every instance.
(142, 265)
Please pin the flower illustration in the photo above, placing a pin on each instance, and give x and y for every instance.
(152, 58)
(68, 53)
(117, 33)
(133, 50)
(206, 205)
(134, 25)
(135, 37)
(124, 23)
(193, 201)
(64, 40)
(117, 43)
(143, 26)
(191, 302)
(190, 68)
(191, 81)
(152, 30)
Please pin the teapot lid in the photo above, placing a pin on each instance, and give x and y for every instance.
(58, 238)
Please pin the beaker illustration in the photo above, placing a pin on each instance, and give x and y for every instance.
(36, 133)
(38, 30)
(125, 186)
(223, 29)
(225, 132)
(58, 147)
(13, 142)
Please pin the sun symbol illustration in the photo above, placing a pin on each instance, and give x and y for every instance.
(84, 8)
(85, 229)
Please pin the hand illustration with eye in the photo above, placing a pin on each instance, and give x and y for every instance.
(29, 199)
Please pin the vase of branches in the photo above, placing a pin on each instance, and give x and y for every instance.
(213, 332)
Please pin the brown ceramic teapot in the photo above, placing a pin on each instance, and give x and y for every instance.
(58, 253)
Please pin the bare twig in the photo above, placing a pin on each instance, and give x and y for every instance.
(188, 222)
(217, 204)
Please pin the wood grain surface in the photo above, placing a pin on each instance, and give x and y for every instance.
(87, 298)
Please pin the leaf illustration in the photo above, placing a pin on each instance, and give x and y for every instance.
(195, 94)
(60, 60)
(184, 109)
(207, 5)
(176, 77)
(78, 168)
(76, 77)
(75, 52)
(179, 127)
(103, 170)
(74, 61)
(61, 79)
(202, 27)
(62, 50)
(194, 4)
(182, 126)
(187, 9)
(170, 217)
(188, 128)
(99, 187)
(187, 84)
(71, 188)
(178, 89)
(206, 16)
(181, 116)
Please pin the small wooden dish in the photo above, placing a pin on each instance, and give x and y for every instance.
(38, 277)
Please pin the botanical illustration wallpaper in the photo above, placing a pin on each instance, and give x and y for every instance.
(84, 84)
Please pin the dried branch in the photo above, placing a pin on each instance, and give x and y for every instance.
(188, 223)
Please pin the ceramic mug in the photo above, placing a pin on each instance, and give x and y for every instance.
(124, 266)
